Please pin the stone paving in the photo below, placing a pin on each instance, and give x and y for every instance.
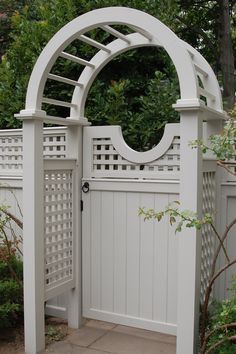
(97, 337)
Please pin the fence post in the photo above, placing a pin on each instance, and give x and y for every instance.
(74, 150)
(189, 253)
(33, 231)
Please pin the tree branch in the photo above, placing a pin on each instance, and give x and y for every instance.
(221, 242)
(207, 297)
(200, 32)
(216, 345)
(224, 327)
(13, 217)
(225, 166)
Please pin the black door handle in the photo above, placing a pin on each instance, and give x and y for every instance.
(85, 187)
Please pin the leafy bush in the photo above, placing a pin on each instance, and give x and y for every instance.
(11, 291)
(222, 326)
(9, 314)
(11, 271)
(141, 112)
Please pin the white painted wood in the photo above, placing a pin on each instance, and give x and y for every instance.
(74, 150)
(209, 81)
(95, 249)
(206, 94)
(148, 26)
(172, 271)
(115, 33)
(77, 59)
(59, 230)
(94, 43)
(160, 271)
(133, 321)
(120, 281)
(208, 113)
(146, 261)
(133, 256)
(33, 236)
(107, 250)
(200, 70)
(231, 243)
(64, 80)
(119, 259)
(189, 253)
(87, 234)
(149, 186)
(101, 59)
(226, 213)
(142, 32)
(56, 311)
(27, 114)
(117, 140)
(57, 102)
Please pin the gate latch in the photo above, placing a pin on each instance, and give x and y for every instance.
(85, 187)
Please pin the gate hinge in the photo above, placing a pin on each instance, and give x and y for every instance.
(81, 205)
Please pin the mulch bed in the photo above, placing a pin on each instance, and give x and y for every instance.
(12, 339)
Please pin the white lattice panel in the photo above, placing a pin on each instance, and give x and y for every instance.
(58, 199)
(110, 157)
(54, 145)
(208, 239)
(11, 152)
(106, 158)
(11, 147)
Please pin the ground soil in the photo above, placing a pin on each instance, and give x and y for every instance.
(12, 340)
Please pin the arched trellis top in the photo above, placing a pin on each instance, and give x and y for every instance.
(196, 78)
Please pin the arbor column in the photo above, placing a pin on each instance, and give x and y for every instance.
(74, 151)
(189, 252)
(33, 231)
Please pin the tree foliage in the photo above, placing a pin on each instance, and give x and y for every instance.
(135, 90)
(209, 27)
(11, 270)
(7, 8)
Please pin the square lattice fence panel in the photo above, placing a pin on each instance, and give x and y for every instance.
(59, 230)
(208, 237)
(11, 148)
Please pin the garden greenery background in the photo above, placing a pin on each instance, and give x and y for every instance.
(137, 89)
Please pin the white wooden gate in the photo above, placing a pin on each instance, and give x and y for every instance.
(129, 266)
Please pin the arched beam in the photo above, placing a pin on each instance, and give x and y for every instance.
(100, 60)
(110, 16)
(209, 81)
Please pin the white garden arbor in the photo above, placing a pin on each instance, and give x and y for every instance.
(53, 223)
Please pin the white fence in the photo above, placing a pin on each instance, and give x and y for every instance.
(129, 266)
(106, 160)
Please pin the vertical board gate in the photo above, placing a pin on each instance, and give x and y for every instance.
(129, 266)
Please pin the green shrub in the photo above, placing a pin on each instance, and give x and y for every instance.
(11, 270)
(17, 266)
(9, 314)
(223, 326)
(11, 292)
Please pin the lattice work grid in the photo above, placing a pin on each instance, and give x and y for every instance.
(54, 145)
(106, 158)
(11, 155)
(208, 239)
(58, 199)
(11, 149)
